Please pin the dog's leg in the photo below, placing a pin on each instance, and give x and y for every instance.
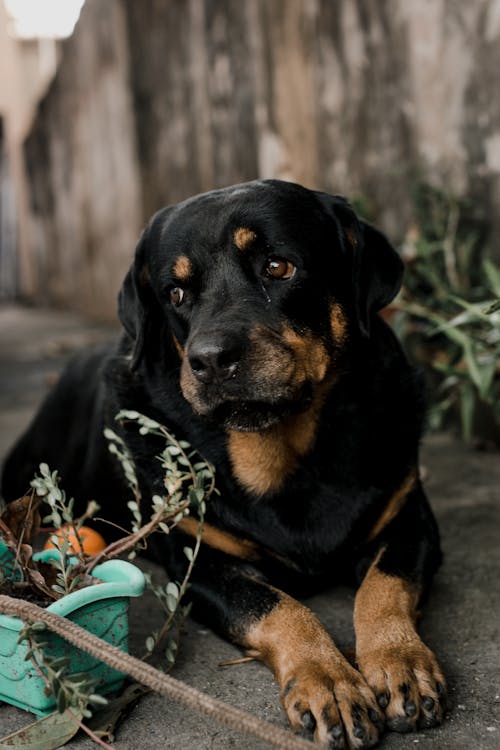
(401, 670)
(322, 694)
(320, 691)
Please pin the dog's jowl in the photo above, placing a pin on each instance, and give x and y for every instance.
(251, 330)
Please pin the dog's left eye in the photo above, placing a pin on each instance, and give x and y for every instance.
(279, 268)
(176, 296)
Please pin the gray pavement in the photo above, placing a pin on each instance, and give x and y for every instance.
(461, 621)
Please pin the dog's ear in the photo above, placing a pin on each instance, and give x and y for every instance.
(378, 273)
(138, 306)
(134, 299)
(377, 269)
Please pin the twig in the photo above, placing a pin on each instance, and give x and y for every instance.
(164, 684)
(123, 545)
(89, 731)
(182, 590)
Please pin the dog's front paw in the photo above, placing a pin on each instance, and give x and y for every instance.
(334, 704)
(408, 683)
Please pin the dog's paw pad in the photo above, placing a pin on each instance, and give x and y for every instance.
(408, 684)
(334, 706)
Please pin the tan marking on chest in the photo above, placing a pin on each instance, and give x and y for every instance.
(396, 502)
(262, 461)
(244, 238)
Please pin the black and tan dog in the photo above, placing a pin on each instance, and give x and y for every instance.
(251, 330)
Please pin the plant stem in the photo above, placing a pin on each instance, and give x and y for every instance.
(88, 731)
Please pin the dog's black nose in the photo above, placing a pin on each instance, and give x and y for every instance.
(214, 359)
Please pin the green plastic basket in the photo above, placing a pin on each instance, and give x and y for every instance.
(101, 609)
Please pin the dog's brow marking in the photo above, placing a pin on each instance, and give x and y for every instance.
(243, 238)
(396, 502)
(182, 268)
(221, 540)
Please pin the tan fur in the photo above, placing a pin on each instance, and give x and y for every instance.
(177, 345)
(310, 355)
(261, 461)
(244, 238)
(182, 269)
(383, 598)
(221, 540)
(396, 502)
(338, 324)
(311, 672)
(389, 652)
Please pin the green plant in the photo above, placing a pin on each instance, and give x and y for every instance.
(449, 313)
(71, 691)
(188, 483)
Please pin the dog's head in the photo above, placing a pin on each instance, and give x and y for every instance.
(259, 287)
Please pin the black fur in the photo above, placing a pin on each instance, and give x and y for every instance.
(314, 529)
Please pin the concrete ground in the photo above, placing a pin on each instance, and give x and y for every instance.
(461, 622)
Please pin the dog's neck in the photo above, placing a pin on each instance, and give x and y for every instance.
(262, 461)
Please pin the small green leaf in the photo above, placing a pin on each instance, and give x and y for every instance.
(172, 589)
(171, 602)
(38, 627)
(98, 700)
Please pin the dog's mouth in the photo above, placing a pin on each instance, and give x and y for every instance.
(254, 416)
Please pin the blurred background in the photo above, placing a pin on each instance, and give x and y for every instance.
(110, 110)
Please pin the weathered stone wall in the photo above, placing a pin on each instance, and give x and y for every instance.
(159, 99)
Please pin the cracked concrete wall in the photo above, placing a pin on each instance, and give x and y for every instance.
(180, 96)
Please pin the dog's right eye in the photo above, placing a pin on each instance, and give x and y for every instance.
(176, 296)
(279, 268)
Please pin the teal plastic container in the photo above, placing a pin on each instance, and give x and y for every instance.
(101, 609)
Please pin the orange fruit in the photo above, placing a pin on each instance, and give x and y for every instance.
(92, 541)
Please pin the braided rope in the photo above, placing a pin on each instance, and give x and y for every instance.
(153, 678)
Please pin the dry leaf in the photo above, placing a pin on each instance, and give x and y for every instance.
(48, 733)
(22, 518)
